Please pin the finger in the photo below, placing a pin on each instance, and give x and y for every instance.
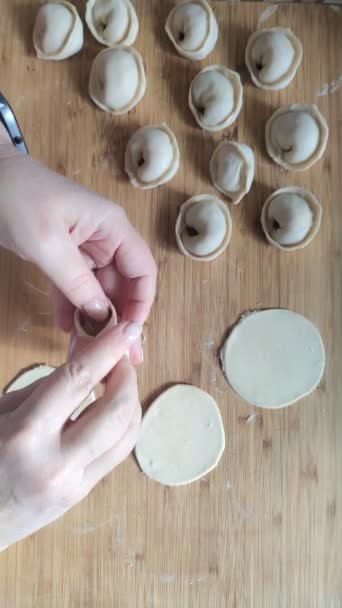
(63, 309)
(102, 426)
(13, 399)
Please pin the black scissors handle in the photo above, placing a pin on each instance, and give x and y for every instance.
(8, 119)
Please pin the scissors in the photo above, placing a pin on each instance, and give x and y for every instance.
(8, 119)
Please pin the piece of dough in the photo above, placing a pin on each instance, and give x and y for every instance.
(273, 358)
(152, 156)
(117, 79)
(58, 31)
(181, 436)
(290, 218)
(232, 169)
(192, 29)
(203, 227)
(38, 372)
(86, 327)
(296, 136)
(273, 57)
(215, 97)
(112, 21)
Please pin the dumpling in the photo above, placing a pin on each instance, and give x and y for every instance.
(192, 28)
(215, 97)
(203, 227)
(290, 218)
(273, 57)
(152, 156)
(296, 136)
(117, 79)
(232, 169)
(86, 327)
(112, 21)
(58, 31)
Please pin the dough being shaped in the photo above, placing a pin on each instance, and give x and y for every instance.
(112, 21)
(296, 136)
(58, 31)
(38, 372)
(290, 218)
(203, 227)
(152, 156)
(215, 97)
(192, 29)
(117, 79)
(232, 169)
(86, 327)
(273, 57)
(181, 436)
(273, 358)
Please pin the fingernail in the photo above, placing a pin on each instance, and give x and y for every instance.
(97, 309)
(133, 332)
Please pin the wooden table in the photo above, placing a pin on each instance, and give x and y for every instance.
(264, 529)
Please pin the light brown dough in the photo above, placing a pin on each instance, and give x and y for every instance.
(89, 328)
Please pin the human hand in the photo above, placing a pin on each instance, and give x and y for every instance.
(49, 463)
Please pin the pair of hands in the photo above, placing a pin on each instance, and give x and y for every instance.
(89, 250)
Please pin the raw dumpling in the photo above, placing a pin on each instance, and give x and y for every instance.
(112, 21)
(86, 327)
(203, 227)
(117, 79)
(296, 136)
(290, 218)
(215, 97)
(152, 156)
(232, 169)
(58, 31)
(192, 28)
(273, 57)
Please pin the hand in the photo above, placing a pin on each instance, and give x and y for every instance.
(83, 242)
(49, 463)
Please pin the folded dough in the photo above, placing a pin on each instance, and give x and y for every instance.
(232, 169)
(112, 21)
(273, 57)
(117, 79)
(152, 156)
(215, 97)
(296, 136)
(58, 31)
(290, 218)
(192, 28)
(181, 437)
(203, 228)
(87, 327)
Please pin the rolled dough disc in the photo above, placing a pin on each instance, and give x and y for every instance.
(273, 358)
(181, 437)
(38, 372)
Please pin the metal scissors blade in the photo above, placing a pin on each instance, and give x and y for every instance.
(8, 119)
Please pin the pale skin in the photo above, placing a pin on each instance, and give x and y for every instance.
(91, 253)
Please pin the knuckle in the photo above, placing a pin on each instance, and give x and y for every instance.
(78, 374)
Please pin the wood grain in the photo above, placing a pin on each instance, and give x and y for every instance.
(264, 529)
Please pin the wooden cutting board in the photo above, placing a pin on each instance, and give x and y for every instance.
(264, 529)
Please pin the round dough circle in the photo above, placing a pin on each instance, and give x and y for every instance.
(215, 97)
(181, 436)
(152, 156)
(112, 21)
(297, 214)
(273, 57)
(232, 169)
(209, 217)
(296, 136)
(273, 358)
(58, 31)
(192, 29)
(117, 79)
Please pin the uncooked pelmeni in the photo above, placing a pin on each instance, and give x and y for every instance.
(86, 327)
(117, 79)
(152, 156)
(273, 358)
(273, 57)
(215, 97)
(232, 169)
(181, 437)
(58, 31)
(112, 21)
(290, 218)
(296, 136)
(203, 227)
(192, 28)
